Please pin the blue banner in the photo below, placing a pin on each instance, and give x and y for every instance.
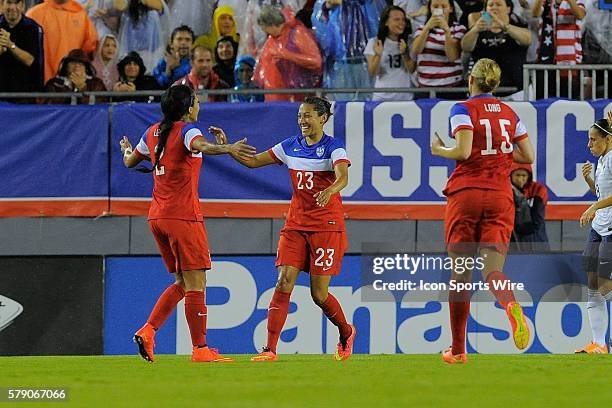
(240, 288)
(48, 151)
(68, 156)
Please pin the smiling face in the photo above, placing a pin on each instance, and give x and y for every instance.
(310, 122)
(132, 70)
(12, 10)
(396, 22)
(225, 51)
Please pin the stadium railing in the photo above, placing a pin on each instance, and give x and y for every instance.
(355, 92)
(530, 77)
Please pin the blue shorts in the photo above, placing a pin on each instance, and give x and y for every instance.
(597, 255)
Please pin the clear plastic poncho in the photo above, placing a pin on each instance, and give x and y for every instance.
(106, 19)
(598, 23)
(252, 37)
(196, 14)
(292, 60)
(147, 37)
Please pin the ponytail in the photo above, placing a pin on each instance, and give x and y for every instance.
(175, 104)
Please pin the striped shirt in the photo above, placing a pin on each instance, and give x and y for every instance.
(568, 35)
(433, 66)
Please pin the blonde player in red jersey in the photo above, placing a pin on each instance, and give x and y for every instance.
(480, 210)
(175, 146)
(314, 237)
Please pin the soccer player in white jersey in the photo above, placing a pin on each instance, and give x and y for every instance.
(597, 256)
(314, 236)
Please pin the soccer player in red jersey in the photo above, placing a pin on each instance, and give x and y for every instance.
(480, 209)
(314, 237)
(175, 146)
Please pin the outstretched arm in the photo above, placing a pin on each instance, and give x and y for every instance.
(341, 171)
(251, 161)
(238, 149)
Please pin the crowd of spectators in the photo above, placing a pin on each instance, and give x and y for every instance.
(135, 45)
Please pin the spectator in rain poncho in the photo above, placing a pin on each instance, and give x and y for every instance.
(290, 58)
(223, 24)
(253, 36)
(343, 28)
(141, 30)
(196, 14)
(243, 73)
(104, 15)
(105, 61)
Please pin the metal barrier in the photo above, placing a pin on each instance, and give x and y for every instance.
(356, 92)
(530, 77)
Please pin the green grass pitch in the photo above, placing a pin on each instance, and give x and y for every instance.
(375, 381)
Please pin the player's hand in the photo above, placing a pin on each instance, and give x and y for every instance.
(322, 197)
(219, 134)
(587, 216)
(587, 168)
(242, 150)
(436, 144)
(125, 144)
(609, 117)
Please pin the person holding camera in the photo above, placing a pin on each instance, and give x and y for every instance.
(496, 35)
(132, 78)
(437, 46)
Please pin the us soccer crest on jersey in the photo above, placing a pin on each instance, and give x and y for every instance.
(311, 168)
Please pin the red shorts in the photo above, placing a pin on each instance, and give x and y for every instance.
(183, 245)
(478, 217)
(319, 253)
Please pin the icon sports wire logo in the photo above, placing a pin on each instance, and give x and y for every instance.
(9, 310)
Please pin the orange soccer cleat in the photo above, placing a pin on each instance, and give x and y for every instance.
(520, 330)
(145, 339)
(265, 355)
(450, 358)
(343, 353)
(208, 355)
(592, 348)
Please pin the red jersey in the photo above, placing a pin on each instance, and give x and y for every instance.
(175, 188)
(312, 170)
(495, 129)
